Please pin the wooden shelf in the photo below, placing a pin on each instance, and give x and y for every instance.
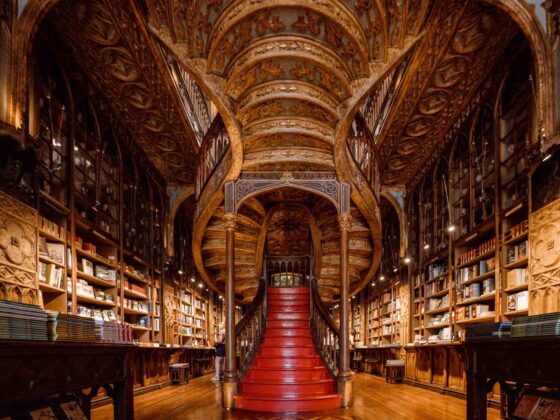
(95, 280)
(50, 289)
(139, 328)
(517, 288)
(51, 237)
(516, 264)
(133, 294)
(479, 278)
(130, 311)
(438, 294)
(517, 313)
(437, 326)
(483, 298)
(88, 299)
(517, 238)
(51, 261)
(97, 258)
(135, 277)
(437, 311)
(488, 318)
(477, 259)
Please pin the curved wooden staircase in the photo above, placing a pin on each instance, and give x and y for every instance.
(287, 374)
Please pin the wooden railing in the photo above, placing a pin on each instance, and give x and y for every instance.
(249, 331)
(211, 153)
(376, 108)
(362, 149)
(324, 330)
(287, 271)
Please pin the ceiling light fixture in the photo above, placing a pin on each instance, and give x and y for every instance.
(426, 246)
(407, 260)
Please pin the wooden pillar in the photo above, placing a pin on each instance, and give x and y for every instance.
(229, 389)
(344, 374)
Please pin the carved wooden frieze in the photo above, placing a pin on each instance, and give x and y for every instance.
(18, 251)
(445, 72)
(544, 240)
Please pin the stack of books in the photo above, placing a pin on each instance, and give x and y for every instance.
(536, 325)
(72, 328)
(20, 321)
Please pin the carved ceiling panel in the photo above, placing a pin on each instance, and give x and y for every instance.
(288, 232)
(109, 43)
(446, 71)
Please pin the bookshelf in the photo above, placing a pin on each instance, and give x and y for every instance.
(373, 332)
(437, 301)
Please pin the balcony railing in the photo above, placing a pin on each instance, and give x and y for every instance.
(195, 104)
(211, 153)
(362, 149)
(287, 271)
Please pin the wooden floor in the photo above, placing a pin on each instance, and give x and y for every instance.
(373, 398)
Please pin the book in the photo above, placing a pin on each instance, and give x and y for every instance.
(87, 266)
(45, 413)
(526, 406)
(56, 252)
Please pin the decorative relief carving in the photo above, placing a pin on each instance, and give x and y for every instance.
(18, 250)
(544, 240)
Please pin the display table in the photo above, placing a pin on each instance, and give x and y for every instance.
(31, 371)
(531, 361)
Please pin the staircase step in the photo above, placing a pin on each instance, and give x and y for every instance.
(287, 341)
(288, 291)
(279, 388)
(289, 374)
(288, 298)
(293, 316)
(286, 324)
(288, 332)
(284, 351)
(287, 362)
(298, 308)
(287, 404)
(274, 301)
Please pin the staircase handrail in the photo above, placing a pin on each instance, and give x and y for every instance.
(249, 331)
(324, 330)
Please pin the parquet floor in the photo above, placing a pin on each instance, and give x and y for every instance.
(373, 399)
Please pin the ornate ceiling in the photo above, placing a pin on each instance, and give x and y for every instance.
(115, 52)
(446, 70)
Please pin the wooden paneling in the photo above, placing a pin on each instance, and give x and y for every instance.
(544, 240)
(439, 366)
(456, 370)
(424, 365)
(410, 366)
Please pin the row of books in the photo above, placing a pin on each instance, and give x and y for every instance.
(484, 248)
(437, 303)
(476, 310)
(51, 228)
(133, 304)
(83, 288)
(443, 335)
(516, 252)
(518, 301)
(465, 274)
(51, 274)
(100, 314)
(517, 230)
(52, 250)
(517, 277)
(477, 289)
(436, 270)
(133, 287)
(438, 319)
(436, 287)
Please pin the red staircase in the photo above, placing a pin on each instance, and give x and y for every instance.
(287, 373)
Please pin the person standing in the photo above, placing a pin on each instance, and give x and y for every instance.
(220, 353)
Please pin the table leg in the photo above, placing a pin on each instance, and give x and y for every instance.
(476, 393)
(123, 400)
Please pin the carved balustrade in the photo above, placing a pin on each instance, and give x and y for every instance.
(211, 153)
(287, 271)
(324, 330)
(362, 149)
(249, 331)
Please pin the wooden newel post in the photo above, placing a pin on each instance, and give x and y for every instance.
(229, 389)
(344, 379)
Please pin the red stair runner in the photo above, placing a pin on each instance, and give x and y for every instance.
(288, 373)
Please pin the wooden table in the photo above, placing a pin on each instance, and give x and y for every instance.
(531, 361)
(31, 371)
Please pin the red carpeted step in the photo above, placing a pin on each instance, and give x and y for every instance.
(280, 388)
(284, 342)
(289, 374)
(293, 316)
(275, 351)
(288, 332)
(288, 291)
(287, 362)
(286, 404)
(286, 325)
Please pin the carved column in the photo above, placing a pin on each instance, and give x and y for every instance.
(344, 379)
(229, 389)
